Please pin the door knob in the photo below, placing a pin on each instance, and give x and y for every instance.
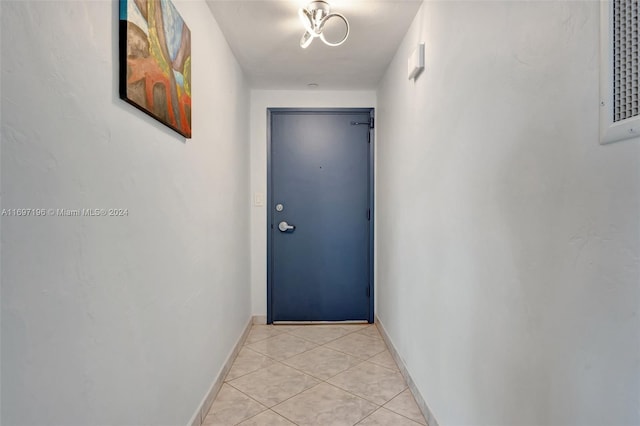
(284, 226)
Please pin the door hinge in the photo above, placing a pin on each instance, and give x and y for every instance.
(368, 214)
(369, 137)
(368, 291)
(372, 123)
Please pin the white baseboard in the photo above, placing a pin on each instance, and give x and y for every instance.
(426, 411)
(205, 405)
(260, 319)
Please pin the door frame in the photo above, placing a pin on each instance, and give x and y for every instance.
(370, 197)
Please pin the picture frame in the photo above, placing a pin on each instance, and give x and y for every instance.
(155, 62)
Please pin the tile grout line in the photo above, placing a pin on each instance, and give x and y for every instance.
(262, 412)
(277, 360)
(362, 361)
(346, 334)
(314, 377)
(359, 360)
(309, 340)
(375, 363)
(251, 398)
(317, 345)
(337, 387)
(422, 405)
(364, 397)
(332, 340)
(326, 381)
(205, 405)
(264, 338)
(285, 417)
(284, 365)
(314, 386)
(319, 378)
(367, 416)
(320, 344)
(400, 414)
(292, 396)
(380, 408)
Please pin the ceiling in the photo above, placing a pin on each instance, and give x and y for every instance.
(264, 35)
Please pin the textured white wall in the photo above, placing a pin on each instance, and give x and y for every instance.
(117, 320)
(260, 101)
(508, 238)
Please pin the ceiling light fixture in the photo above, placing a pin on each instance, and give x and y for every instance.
(314, 17)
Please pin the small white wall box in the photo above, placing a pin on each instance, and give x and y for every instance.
(416, 62)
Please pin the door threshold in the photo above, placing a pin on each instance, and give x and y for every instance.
(320, 322)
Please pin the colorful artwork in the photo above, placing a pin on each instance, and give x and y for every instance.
(155, 61)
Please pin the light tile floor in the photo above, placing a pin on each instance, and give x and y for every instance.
(320, 375)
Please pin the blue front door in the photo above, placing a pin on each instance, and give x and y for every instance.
(320, 216)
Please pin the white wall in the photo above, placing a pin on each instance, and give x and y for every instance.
(508, 238)
(117, 320)
(260, 101)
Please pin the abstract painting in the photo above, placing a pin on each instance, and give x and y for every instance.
(155, 61)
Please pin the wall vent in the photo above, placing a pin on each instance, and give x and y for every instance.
(619, 59)
(625, 59)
